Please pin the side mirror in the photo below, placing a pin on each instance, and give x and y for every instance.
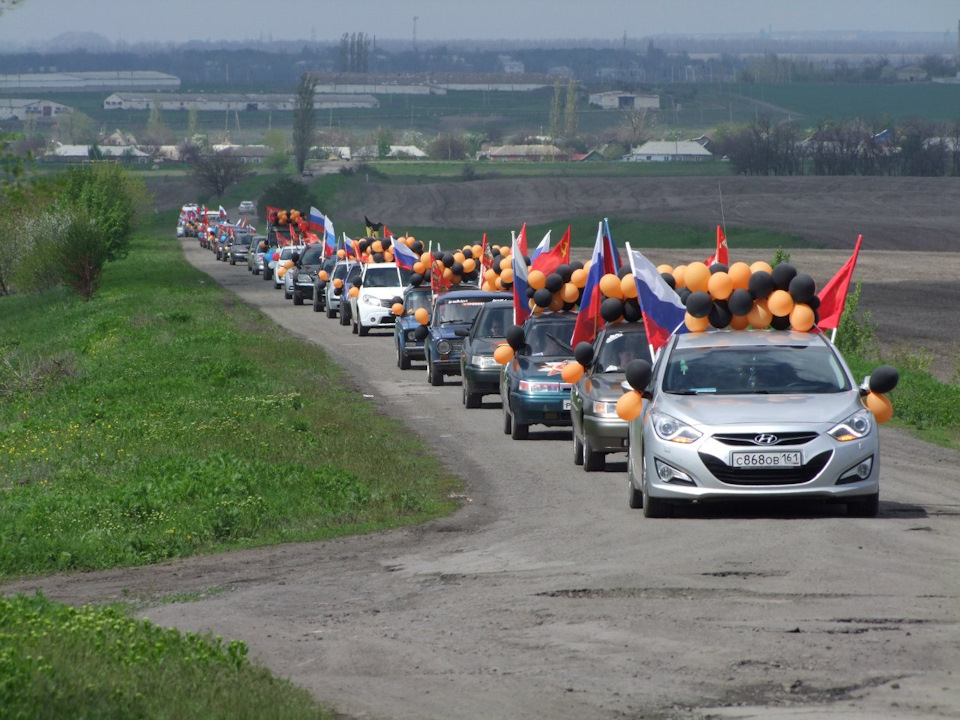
(461, 332)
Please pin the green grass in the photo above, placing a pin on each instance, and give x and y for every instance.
(165, 419)
(59, 662)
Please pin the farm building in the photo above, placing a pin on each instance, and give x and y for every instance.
(668, 151)
(624, 101)
(23, 109)
(396, 151)
(525, 153)
(231, 101)
(81, 153)
(87, 81)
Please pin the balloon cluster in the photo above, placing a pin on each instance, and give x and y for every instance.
(451, 268)
(515, 341)
(882, 380)
(741, 296)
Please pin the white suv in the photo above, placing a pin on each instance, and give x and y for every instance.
(380, 285)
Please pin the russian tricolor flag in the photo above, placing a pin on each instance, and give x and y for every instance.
(315, 220)
(521, 304)
(329, 238)
(588, 317)
(663, 311)
(404, 256)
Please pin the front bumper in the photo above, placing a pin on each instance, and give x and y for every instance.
(304, 290)
(606, 434)
(375, 316)
(552, 409)
(482, 380)
(827, 471)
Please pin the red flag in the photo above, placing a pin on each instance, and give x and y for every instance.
(722, 255)
(293, 236)
(548, 262)
(522, 240)
(438, 283)
(387, 232)
(272, 214)
(834, 293)
(588, 317)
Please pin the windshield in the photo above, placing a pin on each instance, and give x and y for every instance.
(354, 273)
(784, 369)
(416, 300)
(312, 255)
(381, 277)
(493, 321)
(457, 311)
(549, 338)
(619, 348)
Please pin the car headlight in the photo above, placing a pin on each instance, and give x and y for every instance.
(444, 347)
(854, 427)
(536, 386)
(672, 430)
(483, 361)
(411, 336)
(370, 300)
(605, 408)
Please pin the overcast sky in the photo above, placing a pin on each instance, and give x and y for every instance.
(181, 20)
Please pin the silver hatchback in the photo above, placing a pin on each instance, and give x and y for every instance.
(737, 415)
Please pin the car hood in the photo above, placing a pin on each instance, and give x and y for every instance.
(384, 293)
(768, 410)
(448, 331)
(604, 386)
(540, 366)
(408, 322)
(485, 346)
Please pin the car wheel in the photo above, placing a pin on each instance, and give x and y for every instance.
(316, 305)
(577, 449)
(344, 317)
(507, 423)
(267, 274)
(434, 375)
(353, 327)
(297, 298)
(634, 496)
(362, 329)
(331, 313)
(286, 295)
(471, 400)
(403, 362)
(520, 431)
(233, 260)
(593, 461)
(868, 506)
(655, 507)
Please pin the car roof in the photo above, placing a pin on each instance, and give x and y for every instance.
(749, 338)
(622, 327)
(467, 295)
(551, 316)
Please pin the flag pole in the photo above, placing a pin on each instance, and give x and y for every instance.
(723, 219)
(633, 271)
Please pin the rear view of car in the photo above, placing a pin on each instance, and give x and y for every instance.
(751, 415)
(479, 370)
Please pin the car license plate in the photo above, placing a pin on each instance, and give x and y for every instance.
(566, 404)
(753, 460)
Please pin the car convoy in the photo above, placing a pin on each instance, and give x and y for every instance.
(726, 415)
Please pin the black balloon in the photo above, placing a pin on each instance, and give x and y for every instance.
(684, 294)
(631, 310)
(718, 267)
(884, 379)
(611, 309)
(783, 274)
(638, 374)
(448, 259)
(417, 247)
(623, 271)
(420, 332)
(780, 322)
(576, 265)
(457, 268)
(802, 288)
(526, 260)
(669, 279)
(321, 284)
(530, 291)
(554, 282)
(467, 253)
(386, 242)
(416, 279)
(437, 254)
(364, 244)
(583, 353)
(514, 337)
(740, 302)
(496, 263)
(761, 285)
(814, 303)
(542, 297)
(699, 304)
(565, 272)
(720, 315)
(378, 257)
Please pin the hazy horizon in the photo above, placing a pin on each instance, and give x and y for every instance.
(140, 21)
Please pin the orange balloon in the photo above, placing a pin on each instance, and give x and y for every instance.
(780, 303)
(740, 274)
(506, 276)
(556, 303)
(664, 269)
(447, 274)
(354, 291)
(628, 286)
(419, 267)
(570, 292)
(880, 406)
(469, 265)
(477, 250)
(505, 263)
(629, 406)
(459, 257)
(341, 254)
(740, 322)
(426, 258)
(801, 317)
(759, 316)
(697, 277)
(337, 283)
(680, 275)
(610, 286)
(498, 284)
(377, 246)
(503, 354)
(411, 240)
(720, 286)
(422, 315)
(323, 275)
(572, 372)
(397, 308)
(696, 324)
(536, 279)
(490, 275)
(579, 278)
(761, 266)
(388, 255)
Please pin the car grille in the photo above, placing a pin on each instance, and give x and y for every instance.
(766, 476)
(750, 439)
(388, 303)
(456, 346)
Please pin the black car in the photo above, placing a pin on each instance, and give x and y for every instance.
(240, 249)
(480, 372)
(453, 311)
(320, 283)
(305, 272)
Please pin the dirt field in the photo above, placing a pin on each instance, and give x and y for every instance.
(546, 597)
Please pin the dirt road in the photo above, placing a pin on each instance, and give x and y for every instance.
(546, 597)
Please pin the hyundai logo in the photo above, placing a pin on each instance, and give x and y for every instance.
(766, 439)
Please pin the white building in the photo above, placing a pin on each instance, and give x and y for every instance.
(240, 102)
(624, 101)
(23, 109)
(669, 151)
(81, 153)
(87, 81)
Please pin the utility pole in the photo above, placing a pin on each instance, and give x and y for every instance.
(415, 18)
